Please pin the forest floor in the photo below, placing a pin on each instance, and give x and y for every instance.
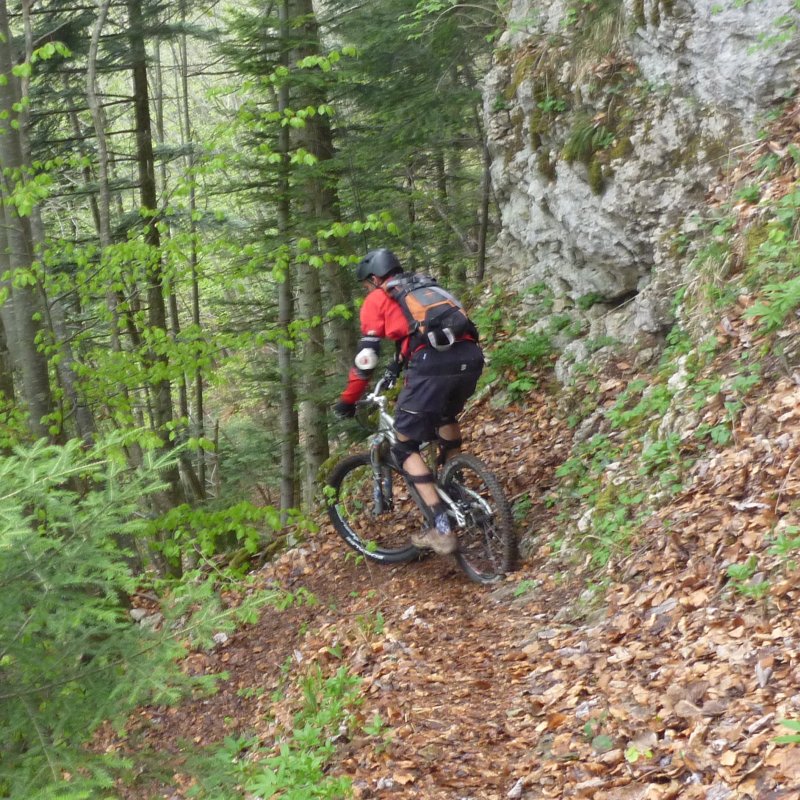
(665, 674)
(651, 681)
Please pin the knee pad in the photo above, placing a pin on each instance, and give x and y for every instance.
(402, 450)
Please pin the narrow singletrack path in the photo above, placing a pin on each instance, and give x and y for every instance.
(660, 683)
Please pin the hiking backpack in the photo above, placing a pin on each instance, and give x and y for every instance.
(434, 316)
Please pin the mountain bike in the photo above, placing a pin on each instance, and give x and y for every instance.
(374, 507)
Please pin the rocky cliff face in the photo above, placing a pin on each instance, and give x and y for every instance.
(608, 121)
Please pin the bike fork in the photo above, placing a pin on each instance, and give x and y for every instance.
(382, 480)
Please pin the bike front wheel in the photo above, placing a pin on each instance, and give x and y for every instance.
(375, 517)
(487, 543)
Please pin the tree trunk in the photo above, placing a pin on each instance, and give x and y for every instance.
(289, 422)
(486, 194)
(6, 368)
(156, 307)
(444, 255)
(17, 245)
(313, 408)
(75, 407)
(322, 206)
(199, 411)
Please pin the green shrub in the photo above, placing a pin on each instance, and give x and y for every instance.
(70, 655)
(514, 356)
(297, 768)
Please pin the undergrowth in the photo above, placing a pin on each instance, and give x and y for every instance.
(297, 766)
(642, 445)
(513, 350)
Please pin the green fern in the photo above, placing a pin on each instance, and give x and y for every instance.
(779, 301)
(585, 140)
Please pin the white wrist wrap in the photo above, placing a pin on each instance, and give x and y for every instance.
(366, 359)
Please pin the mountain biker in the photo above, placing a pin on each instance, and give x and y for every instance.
(437, 386)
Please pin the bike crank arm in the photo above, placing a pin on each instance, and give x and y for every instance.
(460, 516)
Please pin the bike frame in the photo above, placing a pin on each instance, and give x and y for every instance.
(383, 482)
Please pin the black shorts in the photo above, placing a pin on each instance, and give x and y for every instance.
(436, 389)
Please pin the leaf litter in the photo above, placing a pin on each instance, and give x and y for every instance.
(672, 687)
(665, 684)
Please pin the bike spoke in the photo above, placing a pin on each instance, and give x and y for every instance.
(487, 544)
(376, 518)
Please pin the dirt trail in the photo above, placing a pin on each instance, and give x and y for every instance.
(669, 689)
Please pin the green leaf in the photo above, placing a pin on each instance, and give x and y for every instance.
(602, 743)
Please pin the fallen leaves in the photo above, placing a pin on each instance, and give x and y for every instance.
(673, 687)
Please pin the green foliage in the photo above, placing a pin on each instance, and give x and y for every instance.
(248, 449)
(524, 586)
(740, 576)
(628, 412)
(209, 531)
(595, 176)
(511, 345)
(522, 507)
(13, 424)
(519, 388)
(787, 545)
(370, 624)
(633, 754)
(377, 727)
(588, 19)
(585, 139)
(510, 358)
(614, 524)
(586, 301)
(297, 768)
(550, 105)
(774, 265)
(590, 479)
(720, 434)
(779, 301)
(589, 458)
(517, 354)
(70, 655)
(660, 455)
(749, 194)
(789, 738)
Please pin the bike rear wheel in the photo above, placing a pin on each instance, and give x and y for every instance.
(487, 543)
(375, 519)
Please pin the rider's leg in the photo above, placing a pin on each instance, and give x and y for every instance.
(439, 537)
(449, 442)
(413, 463)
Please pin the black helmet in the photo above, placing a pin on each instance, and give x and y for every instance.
(379, 263)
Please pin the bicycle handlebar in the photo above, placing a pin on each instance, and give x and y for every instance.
(378, 401)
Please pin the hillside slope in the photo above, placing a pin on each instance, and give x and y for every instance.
(659, 683)
(648, 646)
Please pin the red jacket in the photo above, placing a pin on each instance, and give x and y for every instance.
(381, 317)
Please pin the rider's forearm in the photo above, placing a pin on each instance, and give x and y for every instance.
(356, 386)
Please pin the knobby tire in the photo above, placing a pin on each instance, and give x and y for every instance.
(383, 537)
(487, 543)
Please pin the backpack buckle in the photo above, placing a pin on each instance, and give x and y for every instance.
(434, 339)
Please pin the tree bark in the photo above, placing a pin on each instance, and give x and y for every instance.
(75, 406)
(289, 422)
(156, 307)
(18, 245)
(486, 194)
(199, 411)
(6, 370)
(321, 206)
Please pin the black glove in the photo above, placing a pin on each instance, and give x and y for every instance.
(392, 373)
(344, 410)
